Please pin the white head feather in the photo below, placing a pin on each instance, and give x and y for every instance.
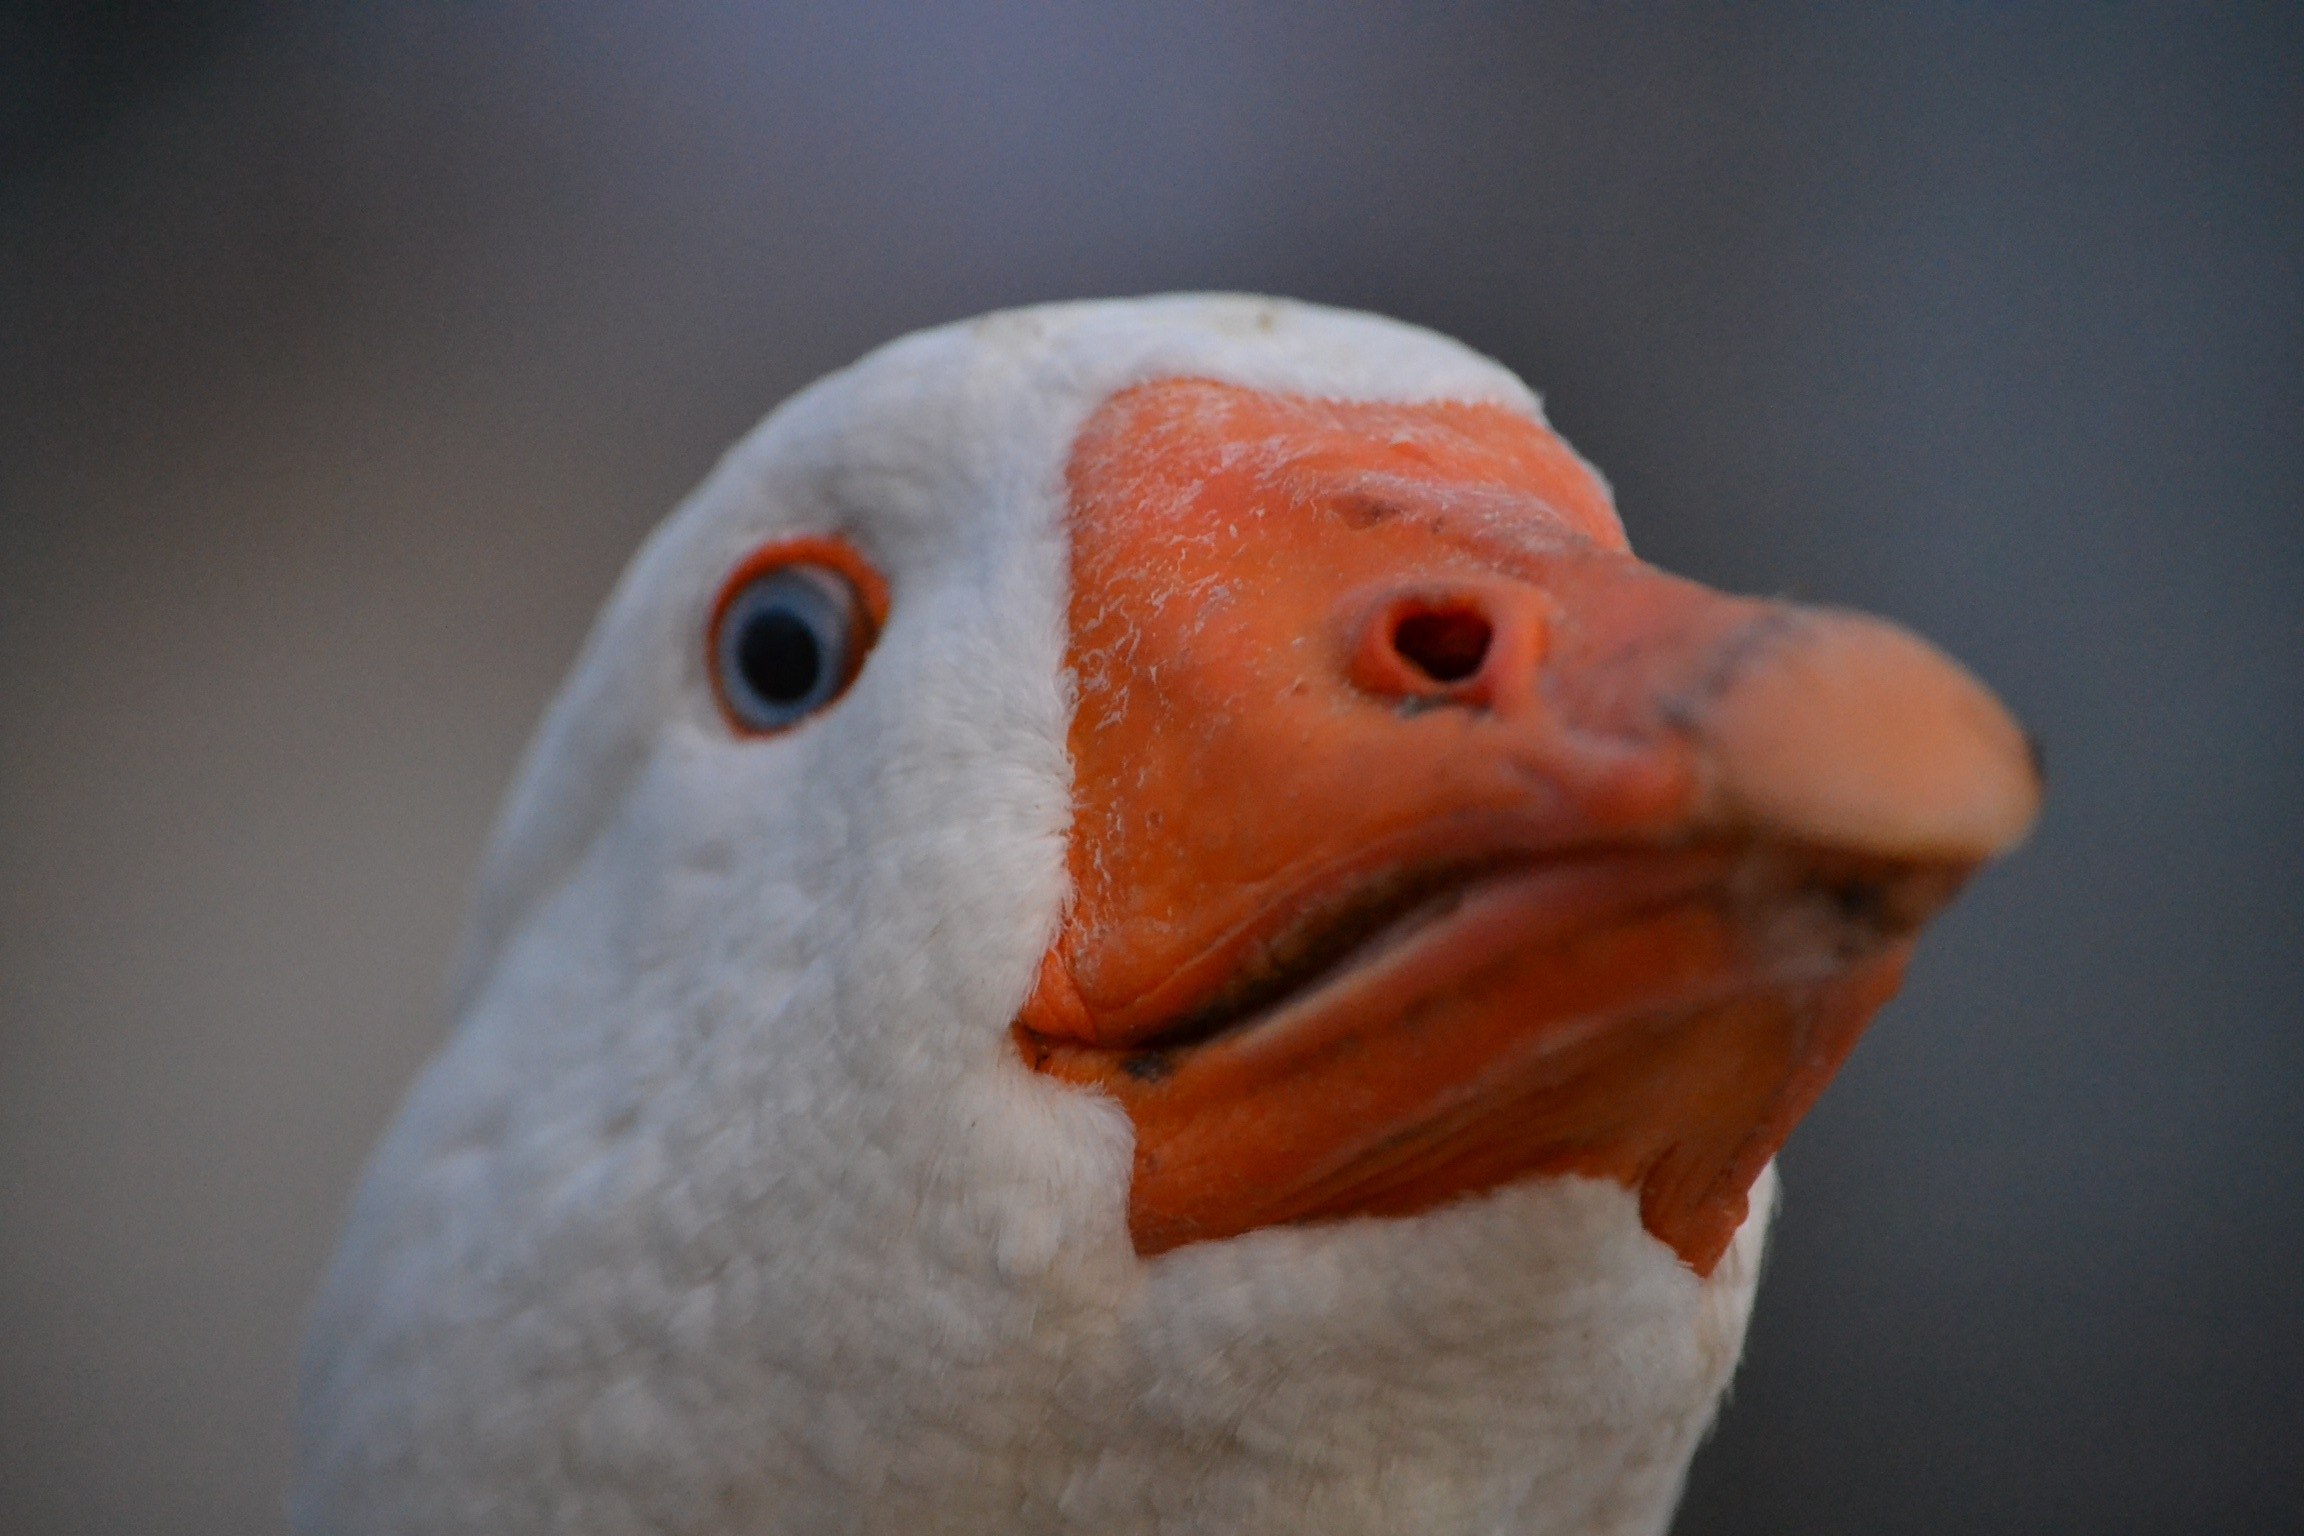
(730, 1206)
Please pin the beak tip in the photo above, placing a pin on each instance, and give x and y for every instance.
(1860, 735)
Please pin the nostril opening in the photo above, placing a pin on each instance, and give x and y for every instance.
(1445, 644)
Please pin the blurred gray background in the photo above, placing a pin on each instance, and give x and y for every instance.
(349, 350)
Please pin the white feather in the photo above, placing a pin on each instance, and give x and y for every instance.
(730, 1208)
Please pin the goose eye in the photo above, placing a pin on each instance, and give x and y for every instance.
(787, 639)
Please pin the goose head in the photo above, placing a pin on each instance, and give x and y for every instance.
(1138, 918)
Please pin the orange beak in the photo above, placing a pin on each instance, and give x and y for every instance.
(1425, 840)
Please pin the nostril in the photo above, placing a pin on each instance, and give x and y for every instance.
(1445, 644)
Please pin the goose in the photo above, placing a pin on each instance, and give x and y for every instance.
(1138, 918)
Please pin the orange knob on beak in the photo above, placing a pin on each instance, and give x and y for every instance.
(1424, 839)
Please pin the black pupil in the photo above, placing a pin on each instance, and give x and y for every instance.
(779, 656)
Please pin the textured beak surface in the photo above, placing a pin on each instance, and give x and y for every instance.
(1424, 839)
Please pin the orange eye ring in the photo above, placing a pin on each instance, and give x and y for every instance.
(789, 631)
